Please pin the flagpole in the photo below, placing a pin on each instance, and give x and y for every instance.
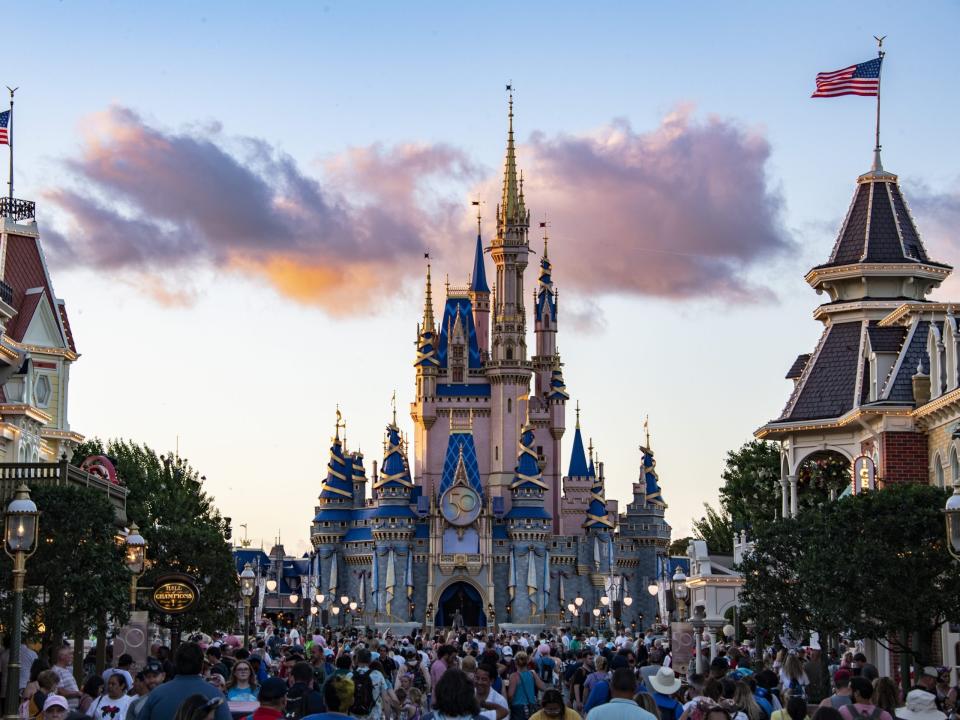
(10, 144)
(880, 54)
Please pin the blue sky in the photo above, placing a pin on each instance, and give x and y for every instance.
(244, 373)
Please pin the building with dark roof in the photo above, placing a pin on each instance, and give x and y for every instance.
(880, 389)
(474, 514)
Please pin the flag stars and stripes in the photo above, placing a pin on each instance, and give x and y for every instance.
(862, 79)
(4, 127)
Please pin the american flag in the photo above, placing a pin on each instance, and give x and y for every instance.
(4, 122)
(862, 79)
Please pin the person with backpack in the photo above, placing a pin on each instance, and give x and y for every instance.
(303, 698)
(862, 709)
(273, 700)
(665, 685)
(368, 688)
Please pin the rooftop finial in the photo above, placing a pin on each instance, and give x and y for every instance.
(337, 425)
(393, 405)
(546, 237)
(578, 413)
(646, 430)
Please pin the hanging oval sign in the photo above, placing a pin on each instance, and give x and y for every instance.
(174, 593)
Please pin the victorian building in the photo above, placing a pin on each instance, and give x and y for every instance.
(880, 392)
(473, 517)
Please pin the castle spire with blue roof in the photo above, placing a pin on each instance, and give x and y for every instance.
(597, 516)
(480, 293)
(337, 485)
(649, 478)
(578, 458)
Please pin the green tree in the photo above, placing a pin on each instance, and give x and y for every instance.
(78, 562)
(750, 495)
(908, 585)
(874, 565)
(184, 530)
(716, 529)
(679, 546)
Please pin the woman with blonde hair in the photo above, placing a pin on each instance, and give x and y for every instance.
(523, 688)
(793, 680)
(744, 701)
(596, 676)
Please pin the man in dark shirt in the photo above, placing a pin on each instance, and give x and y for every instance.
(164, 701)
(302, 696)
(577, 695)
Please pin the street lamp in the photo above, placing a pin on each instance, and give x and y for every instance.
(578, 601)
(353, 606)
(294, 598)
(136, 560)
(680, 591)
(21, 521)
(271, 585)
(653, 588)
(628, 601)
(320, 598)
(604, 600)
(952, 513)
(344, 599)
(248, 583)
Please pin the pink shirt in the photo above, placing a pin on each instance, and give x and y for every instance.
(439, 667)
(862, 711)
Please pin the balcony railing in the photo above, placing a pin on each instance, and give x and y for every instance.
(6, 293)
(59, 474)
(17, 209)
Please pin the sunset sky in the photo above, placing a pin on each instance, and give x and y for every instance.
(235, 200)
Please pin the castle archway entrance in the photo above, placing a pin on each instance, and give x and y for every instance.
(461, 601)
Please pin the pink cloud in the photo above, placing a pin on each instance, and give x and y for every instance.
(681, 211)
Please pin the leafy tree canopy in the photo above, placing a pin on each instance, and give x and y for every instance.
(184, 530)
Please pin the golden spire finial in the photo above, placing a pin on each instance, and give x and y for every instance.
(336, 431)
(477, 203)
(646, 429)
(393, 404)
(428, 300)
(546, 237)
(578, 414)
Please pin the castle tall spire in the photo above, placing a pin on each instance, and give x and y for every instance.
(428, 305)
(510, 202)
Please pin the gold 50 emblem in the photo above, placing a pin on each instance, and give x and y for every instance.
(460, 505)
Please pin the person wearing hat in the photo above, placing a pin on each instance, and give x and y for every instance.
(843, 694)
(55, 707)
(621, 706)
(273, 700)
(664, 685)
(150, 677)
(921, 705)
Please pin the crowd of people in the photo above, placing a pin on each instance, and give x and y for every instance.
(461, 675)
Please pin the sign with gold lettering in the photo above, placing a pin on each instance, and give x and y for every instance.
(174, 593)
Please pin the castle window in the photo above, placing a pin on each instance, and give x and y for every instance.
(496, 452)
(954, 467)
(939, 470)
(509, 404)
(458, 374)
(509, 353)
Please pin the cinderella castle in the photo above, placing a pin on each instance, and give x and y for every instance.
(476, 522)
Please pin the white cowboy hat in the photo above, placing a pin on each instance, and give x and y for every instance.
(665, 681)
(921, 705)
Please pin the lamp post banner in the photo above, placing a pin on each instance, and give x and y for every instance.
(682, 645)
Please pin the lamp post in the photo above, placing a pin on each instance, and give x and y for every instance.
(136, 560)
(248, 582)
(680, 591)
(952, 513)
(20, 542)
